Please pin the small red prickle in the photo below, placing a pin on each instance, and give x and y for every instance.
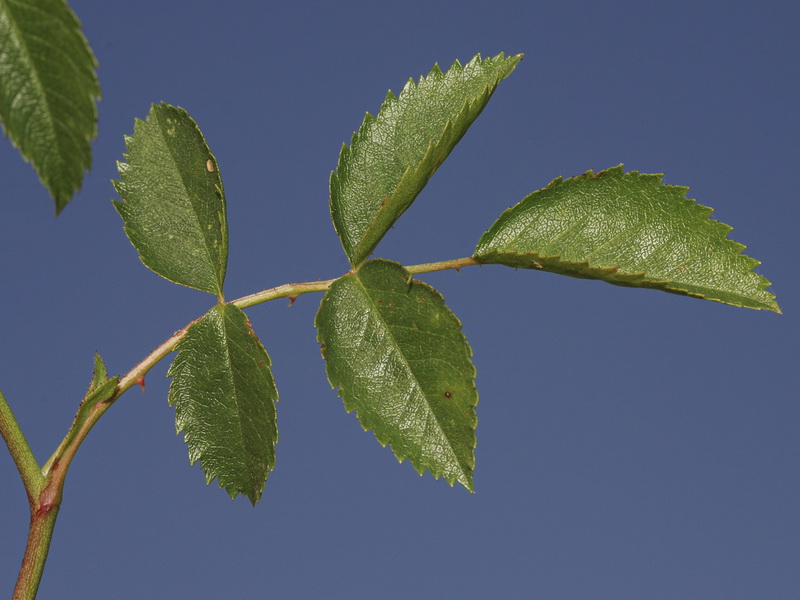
(292, 299)
(140, 382)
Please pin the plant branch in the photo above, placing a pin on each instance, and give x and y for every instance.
(45, 492)
(288, 290)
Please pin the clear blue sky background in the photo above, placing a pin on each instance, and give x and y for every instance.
(631, 444)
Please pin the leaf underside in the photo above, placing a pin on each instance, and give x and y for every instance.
(174, 203)
(393, 155)
(627, 229)
(48, 91)
(224, 397)
(400, 360)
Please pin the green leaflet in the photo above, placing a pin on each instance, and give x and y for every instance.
(48, 91)
(224, 397)
(392, 156)
(627, 229)
(398, 356)
(174, 204)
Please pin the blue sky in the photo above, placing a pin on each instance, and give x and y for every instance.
(631, 444)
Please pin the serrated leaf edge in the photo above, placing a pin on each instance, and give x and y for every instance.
(219, 269)
(346, 150)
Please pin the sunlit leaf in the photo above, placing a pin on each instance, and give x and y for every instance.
(627, 229)
(398, 356)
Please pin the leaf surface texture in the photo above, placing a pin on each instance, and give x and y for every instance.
(173, 200)
(224, 397)
(627, 229)
(400, 360)
(392, 155)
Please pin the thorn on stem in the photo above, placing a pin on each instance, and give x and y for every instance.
(140, 382)
(292, 299)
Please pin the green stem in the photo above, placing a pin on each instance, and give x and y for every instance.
(287, 290)
(20, 451)
(45, 492)
(443, 265)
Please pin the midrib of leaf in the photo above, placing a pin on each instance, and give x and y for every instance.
(193, 204)
(417, 385)
(231, 379)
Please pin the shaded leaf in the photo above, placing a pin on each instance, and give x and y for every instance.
(627, 229)
(398, 356)
(48, 91)
(174, 205)
(224, 397)
(392, 155)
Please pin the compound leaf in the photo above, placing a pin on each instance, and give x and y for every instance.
(398, 356)
(224, 397)
(627, 229)
(393, 155)
(174, 204)
(48, 91)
